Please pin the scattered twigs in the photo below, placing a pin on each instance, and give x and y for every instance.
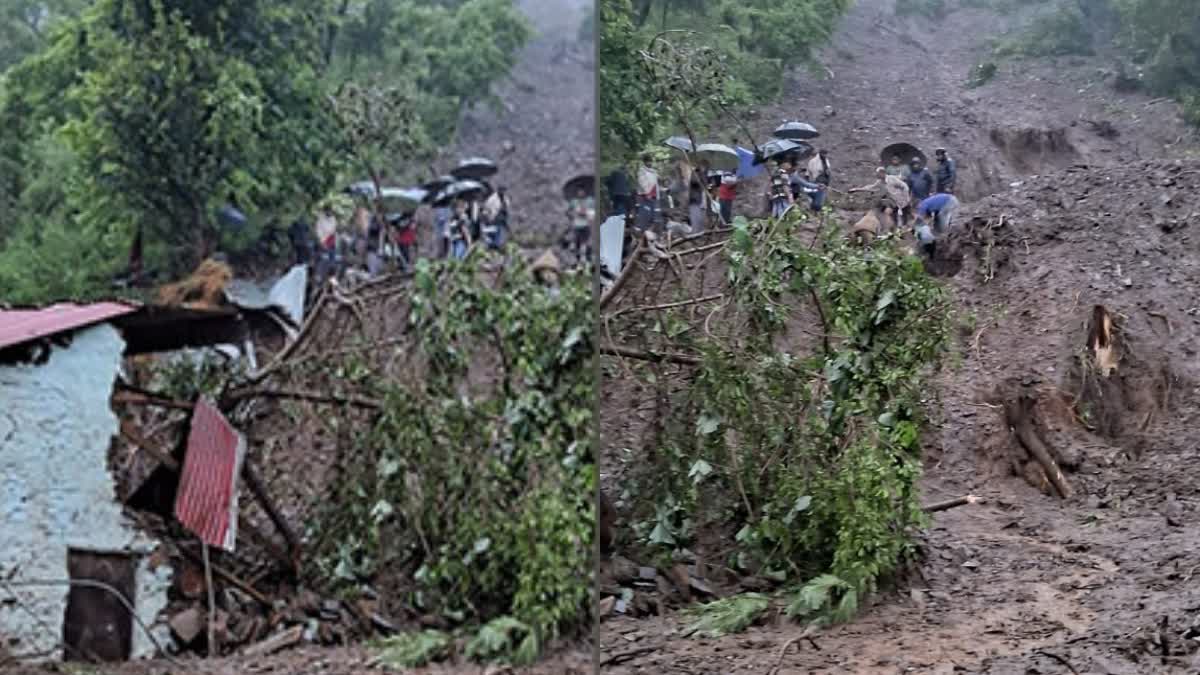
(806, 635)
(699, 249)
(950, 504)
(128, 395)
(1060, 659)
(670, 305)
(647, 355)
(356, 401)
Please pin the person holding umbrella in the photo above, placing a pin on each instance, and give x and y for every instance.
(779, 194)
(459, 229)
(726, 193)
(617, 183)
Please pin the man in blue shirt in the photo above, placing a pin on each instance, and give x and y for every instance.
(941, 207)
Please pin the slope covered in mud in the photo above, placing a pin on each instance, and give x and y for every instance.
(1073, 269)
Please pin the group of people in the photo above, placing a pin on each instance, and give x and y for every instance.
(467, 220)
(330, 243)
(913, 194)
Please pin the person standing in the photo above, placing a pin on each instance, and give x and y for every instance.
(697, 201)
(326, 231)
(617, 184)
(441, 225)
(581, 210)
(726, 193)
(947, 173)
(779, 193)
(896, 167)
(818, 168)
(893, 188)
(815, 192)
(920, 181)
(647, 206)
(459, 230)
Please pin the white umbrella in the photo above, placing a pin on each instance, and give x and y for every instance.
(718, 156)
(679, 143)
(475, 168)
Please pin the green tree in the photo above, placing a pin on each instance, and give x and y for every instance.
(628, 115)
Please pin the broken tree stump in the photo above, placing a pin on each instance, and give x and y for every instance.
(1020, 414)
(951, 503)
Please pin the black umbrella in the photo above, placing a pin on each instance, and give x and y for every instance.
(463, 189)
(906, 151)
(474, 168)
(796, 131)
(780, 149)
(433, 187)
(585, 182)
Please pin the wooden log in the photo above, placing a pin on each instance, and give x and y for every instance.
(646, 355)
(951, 503)
(1019, 415)
(276, 642)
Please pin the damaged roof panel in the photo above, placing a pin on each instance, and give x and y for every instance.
(22, 325)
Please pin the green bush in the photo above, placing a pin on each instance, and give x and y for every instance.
(484, 500)
(811, 458)
(1058, 30)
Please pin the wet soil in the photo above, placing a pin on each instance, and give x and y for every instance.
(543, 132)
(1025, 582)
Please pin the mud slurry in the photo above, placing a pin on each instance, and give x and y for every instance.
(1027, 582)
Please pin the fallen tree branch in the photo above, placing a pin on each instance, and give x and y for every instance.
(357, 401)
(288, 349)
(951, 503)
(669, 305)
(622, 657)
(130, 396)
(646, 355)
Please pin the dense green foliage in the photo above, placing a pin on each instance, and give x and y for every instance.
(748, 45)
(482, 493)
(812, 455)
(152, 115)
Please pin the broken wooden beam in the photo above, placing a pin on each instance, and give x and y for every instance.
(276, 642)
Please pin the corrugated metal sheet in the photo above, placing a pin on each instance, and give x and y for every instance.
(23, 325)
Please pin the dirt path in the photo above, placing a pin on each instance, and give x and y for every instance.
(1024, 583)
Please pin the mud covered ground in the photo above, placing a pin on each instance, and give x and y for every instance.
(543, 133)
(1026, 582)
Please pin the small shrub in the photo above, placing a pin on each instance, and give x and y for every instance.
(981, 74)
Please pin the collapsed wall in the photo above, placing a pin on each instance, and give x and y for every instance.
(58, 507)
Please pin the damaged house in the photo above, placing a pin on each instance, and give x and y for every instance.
(75, 559)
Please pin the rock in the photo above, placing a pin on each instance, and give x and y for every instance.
(606, 606)
(648, 573)
(187, 625)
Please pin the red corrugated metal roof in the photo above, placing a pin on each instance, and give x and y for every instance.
(23, 325)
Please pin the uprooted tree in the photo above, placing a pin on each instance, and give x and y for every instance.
(787, 384)
(466, 497)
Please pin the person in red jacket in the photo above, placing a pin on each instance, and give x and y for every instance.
(726, 193)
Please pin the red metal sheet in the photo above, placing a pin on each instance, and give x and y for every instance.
(207, 502)
(23, 325)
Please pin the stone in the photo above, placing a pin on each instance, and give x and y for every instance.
(187, 625)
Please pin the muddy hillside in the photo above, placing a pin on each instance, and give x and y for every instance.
(1067, 401)
(543, 132)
